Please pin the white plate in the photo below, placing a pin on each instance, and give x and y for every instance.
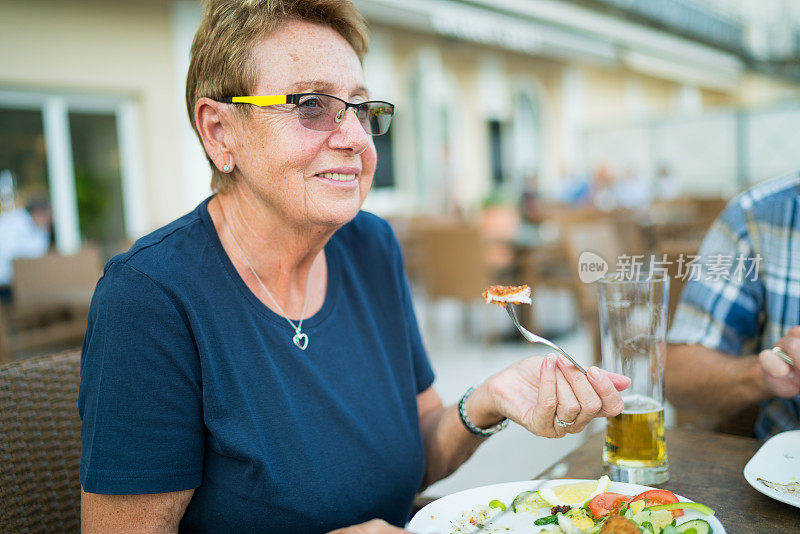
(439, 515)
(778, 460)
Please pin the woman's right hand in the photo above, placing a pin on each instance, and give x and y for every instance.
(375, 526)
(534, 391)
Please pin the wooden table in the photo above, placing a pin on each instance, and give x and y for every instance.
(705, 467)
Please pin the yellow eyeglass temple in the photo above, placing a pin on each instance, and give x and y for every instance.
(257, 100)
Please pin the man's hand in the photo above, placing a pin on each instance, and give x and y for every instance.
(780, 378)
(375, 526)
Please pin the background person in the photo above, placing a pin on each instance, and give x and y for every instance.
(666, 184)
(24, 233)
(721, 359)
(256, 366)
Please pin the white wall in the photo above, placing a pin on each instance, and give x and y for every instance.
(97, 47)
(195, 171)
(712, 153)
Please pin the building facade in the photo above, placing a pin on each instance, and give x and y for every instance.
(493, 98)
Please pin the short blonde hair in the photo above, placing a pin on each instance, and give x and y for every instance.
(221, 52)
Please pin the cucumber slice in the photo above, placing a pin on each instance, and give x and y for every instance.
(528, 501)
(695, 526)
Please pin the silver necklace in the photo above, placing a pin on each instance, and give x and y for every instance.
(300, 339)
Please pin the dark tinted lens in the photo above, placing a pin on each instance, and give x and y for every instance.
(376, 116)
(325, 113)
(318, 112)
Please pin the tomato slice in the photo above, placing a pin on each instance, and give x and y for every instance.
(606, 503)
(659, 496)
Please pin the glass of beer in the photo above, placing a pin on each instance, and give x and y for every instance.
(633, 324)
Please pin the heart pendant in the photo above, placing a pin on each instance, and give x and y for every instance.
(301, 340)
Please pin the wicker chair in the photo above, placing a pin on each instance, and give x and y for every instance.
(40, 444)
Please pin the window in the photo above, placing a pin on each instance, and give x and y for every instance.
(384, 173)
(98, 179)
(525, 146)
(23, 161)
(496, 152)
(78, 152)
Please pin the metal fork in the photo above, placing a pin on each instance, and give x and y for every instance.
(533, 338)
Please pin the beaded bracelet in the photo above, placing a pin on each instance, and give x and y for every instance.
(483, 432)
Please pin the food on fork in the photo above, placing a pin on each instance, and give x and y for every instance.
(502, 295)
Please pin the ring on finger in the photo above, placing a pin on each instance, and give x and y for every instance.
(563, 424)
(783, 355)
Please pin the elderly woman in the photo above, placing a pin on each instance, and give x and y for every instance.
(255, 366)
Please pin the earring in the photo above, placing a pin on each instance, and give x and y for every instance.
(226, 168)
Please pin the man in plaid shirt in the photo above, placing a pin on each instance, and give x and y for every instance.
(731, 323)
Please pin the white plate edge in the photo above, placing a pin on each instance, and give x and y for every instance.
(751, 476)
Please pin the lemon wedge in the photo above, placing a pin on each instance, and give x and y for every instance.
(574, 494)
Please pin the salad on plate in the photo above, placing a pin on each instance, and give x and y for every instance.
(585, 507)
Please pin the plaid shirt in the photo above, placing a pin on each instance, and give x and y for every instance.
(749, 306)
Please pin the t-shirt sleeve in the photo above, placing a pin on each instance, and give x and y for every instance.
(423, 371)
(720, 307)
(140, 397)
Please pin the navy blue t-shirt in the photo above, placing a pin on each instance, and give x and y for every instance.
(189, 381)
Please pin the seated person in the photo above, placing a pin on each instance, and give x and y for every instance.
(24, 233)
(732, 323)
(256, 365)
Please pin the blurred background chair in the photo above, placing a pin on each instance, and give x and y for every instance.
(40, 447)
(408, 231)
(682, 219)
(598, 235)
(499, 224)
(676, 253)
(545, 267)
(5, 343)
(56, 279)
(51, 297)
(453, 265)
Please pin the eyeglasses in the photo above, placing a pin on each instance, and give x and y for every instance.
(324, 113)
